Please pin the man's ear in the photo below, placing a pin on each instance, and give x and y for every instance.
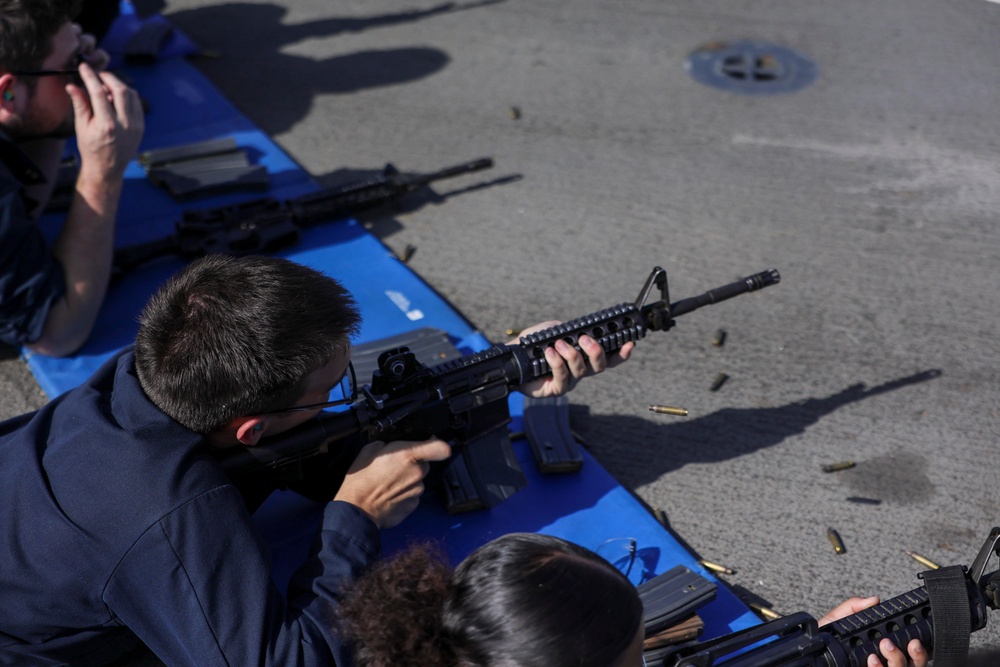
(7, 99)
(250, 430)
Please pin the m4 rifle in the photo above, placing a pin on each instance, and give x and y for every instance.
(942, 614)
(267, 224)
(463, 401)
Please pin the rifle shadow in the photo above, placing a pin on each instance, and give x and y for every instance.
(255, 70)
(636, 451)
(381, 220)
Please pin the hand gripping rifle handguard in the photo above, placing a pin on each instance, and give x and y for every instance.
(942, 614)
(463, 401)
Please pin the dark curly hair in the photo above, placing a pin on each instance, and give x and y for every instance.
(522, 600)
(393, 614)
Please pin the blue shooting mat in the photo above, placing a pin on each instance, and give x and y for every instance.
(175, 43)
(589, 507)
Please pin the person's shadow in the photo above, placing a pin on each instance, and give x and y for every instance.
(640, 452)
(253, 67)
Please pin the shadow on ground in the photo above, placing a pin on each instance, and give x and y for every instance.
(734, 432)
(253, 62)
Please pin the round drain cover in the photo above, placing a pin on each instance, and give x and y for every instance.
(750, 67)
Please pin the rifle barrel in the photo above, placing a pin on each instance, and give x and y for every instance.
(451, 172)
(749, 284)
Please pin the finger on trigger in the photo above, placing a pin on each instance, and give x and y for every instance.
(434, 449)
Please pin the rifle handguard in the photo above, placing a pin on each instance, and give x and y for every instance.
(629, 322)
(611, 328)
(933, 613)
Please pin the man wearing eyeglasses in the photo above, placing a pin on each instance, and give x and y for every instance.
(118, 522)
(51, 87)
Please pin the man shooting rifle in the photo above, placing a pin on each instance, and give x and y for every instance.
(121, 526)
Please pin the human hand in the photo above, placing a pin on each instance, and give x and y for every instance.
(568, 364)
(109, 124)
(848, 607)
(97, 58)
(386, 480)
(915, 655)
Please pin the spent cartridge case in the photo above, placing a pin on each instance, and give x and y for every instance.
(926, 562)
(839, 465)
(766, 612)
(834, 537)
(720, 380)
(715, 567)
(667, 410)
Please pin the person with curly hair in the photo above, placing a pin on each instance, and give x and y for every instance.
(521, 600)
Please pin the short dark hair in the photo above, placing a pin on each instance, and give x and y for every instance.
(228, 337)
(523, 599)
(27, 28)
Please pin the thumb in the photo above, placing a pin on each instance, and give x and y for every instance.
(81, 103)
(847, 607)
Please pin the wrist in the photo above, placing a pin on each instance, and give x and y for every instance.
(359, 505)
(93, 184)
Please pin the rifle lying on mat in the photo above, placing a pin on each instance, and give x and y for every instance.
(942, 614)
(266, 225)
(463, 401)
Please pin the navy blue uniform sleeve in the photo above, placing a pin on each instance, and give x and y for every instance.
(31, 279)
(197, 588)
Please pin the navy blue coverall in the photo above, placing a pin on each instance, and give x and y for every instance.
(31, 280)
(118, 523)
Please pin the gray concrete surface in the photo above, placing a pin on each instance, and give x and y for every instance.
(875, 191)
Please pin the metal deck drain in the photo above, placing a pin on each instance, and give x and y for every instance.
(750, 67)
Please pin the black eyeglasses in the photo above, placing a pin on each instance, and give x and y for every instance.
(348, 389)
(74, 73)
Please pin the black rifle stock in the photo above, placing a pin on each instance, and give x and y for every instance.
(941, 614)
(267, 225)
(464, 401)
